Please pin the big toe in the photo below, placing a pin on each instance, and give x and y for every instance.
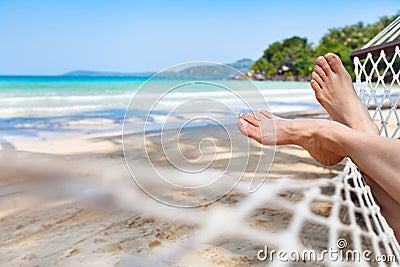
(321, 61)
(249, 130)
(334, 62)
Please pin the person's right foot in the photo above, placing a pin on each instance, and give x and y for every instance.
(334, 90)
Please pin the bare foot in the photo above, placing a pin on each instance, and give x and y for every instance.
(311, 135)
(271, 130)
(334, 90)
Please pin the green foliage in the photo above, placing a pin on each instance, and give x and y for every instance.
(299, 56)
(295, 53)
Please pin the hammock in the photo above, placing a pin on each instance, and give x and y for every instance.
(338, 214)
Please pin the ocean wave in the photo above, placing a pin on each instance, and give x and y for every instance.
(69, 98)
(52, 110)
(49, 111)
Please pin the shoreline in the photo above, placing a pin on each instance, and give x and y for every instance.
(293, 78)
(47, 139)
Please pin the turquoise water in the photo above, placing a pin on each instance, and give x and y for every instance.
(62, 102)
(59, 85)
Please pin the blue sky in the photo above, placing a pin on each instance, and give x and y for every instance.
(52, 37)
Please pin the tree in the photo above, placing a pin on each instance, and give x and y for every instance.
(343, 41)
(297, 54)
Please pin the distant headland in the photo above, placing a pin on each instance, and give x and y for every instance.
(203, 71)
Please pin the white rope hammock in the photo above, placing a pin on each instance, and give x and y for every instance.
(322, 213)
(390, 33)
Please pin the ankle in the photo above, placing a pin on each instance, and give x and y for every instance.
(371, 129)
(366, 126)
(296, 131)
(318, 133)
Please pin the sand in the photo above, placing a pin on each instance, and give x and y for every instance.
(70, 201)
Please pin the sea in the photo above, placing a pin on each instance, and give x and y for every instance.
(29, 104)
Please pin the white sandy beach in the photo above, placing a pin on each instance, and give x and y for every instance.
(70, 201)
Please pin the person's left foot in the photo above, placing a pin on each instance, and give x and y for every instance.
(271, 130)
(259, 126)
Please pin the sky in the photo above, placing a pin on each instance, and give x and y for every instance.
(54, 37)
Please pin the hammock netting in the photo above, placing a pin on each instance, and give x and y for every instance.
(337, 213)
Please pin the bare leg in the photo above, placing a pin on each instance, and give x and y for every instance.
(328, 142)
(335, 92)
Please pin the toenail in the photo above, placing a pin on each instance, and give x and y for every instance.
(331, 57)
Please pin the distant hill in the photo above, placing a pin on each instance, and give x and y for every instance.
(89, 73)
(243, 65)
(214, 71)
(203, 71)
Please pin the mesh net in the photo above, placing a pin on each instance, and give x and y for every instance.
(337, 214)
(378, 85)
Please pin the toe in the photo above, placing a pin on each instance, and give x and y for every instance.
(321, 61)
(334, 62)
(317, 78)
(242, 125)
(317, 89)
(320, 72)
(315, 85)
(250, 118)
(267, 114)
(249, 130)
